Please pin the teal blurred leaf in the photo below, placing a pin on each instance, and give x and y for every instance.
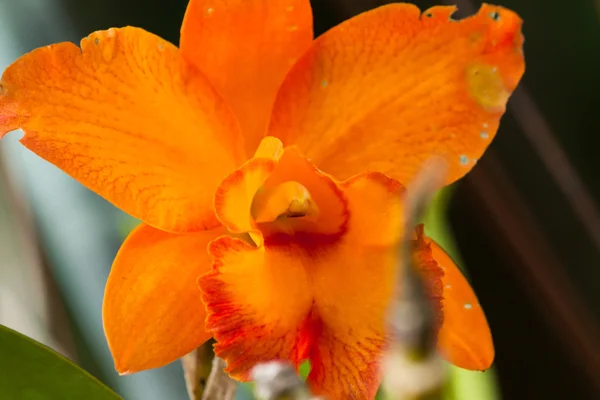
(245, 391)
(32, 371)
(125, 224)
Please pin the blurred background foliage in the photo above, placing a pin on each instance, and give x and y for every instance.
(525, 223)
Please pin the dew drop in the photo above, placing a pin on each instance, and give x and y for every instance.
(484, 135)
(463, 159)
(468, 306)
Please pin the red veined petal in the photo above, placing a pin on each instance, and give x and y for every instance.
(126, 118)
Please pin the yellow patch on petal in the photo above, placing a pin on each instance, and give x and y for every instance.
(392, 87)
(487, 87)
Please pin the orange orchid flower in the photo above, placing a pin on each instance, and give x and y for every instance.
(252, 140)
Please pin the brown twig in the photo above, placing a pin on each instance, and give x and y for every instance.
(276, 380)
(219, 386)
(196, 369)
(204, 375)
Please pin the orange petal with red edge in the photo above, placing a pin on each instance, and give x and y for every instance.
(245, 48)
(125, 117)
(389, 88)
(464, 338)
(256, 299)
(431, 272)
(325, 302)
(153, 312)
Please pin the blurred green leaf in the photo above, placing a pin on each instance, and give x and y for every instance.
(32, 371)
(471, 385)
(304, 370)
(436, 225)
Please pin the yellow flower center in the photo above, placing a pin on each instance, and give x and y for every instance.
(288, 200)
